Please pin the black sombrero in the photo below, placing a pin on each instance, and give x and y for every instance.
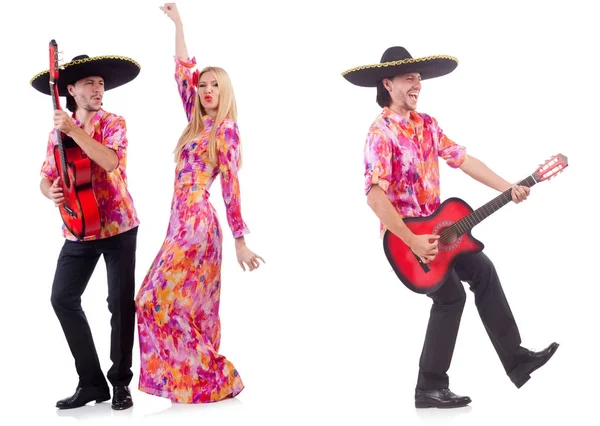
(115, 70)
(397, 60)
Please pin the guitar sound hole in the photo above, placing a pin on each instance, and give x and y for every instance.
(447, 236)
(449, 239)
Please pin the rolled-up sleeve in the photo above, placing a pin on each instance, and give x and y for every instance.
(378, 160)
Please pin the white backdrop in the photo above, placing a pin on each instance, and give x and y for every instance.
(323, 332)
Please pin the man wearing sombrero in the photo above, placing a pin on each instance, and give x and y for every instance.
(102, 136)
(402, 181)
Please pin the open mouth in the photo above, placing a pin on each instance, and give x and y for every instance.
(413, 96)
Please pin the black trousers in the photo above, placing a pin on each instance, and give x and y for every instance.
(444, 320)
(76, 263)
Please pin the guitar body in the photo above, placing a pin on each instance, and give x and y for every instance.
(79, 210)
(453, 222)
(427, 278)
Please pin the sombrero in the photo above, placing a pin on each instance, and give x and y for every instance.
(397, 60)
(115, 70)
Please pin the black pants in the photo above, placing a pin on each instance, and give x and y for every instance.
(76, 262)
(444, 320)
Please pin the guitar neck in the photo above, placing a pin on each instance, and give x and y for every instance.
(468, 222)
(61, 147)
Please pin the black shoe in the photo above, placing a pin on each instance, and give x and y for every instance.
(121, 398)
(83, 395)
(532, 361)
(439, 398)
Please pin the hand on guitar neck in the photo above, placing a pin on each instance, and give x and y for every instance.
(519, 193)
(100, 154)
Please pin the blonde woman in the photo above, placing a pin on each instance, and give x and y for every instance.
(178, 302)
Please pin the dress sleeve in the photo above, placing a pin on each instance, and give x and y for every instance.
(185, 86)
(229, 158)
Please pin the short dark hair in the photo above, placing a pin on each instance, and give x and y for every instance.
(71, 104)
(383, 96)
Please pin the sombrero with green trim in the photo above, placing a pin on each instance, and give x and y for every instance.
(115, 70)
(396, 60)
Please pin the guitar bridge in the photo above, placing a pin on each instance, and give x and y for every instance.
(425, 266)
(71, 212)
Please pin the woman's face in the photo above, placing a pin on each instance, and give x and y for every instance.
(208, 90)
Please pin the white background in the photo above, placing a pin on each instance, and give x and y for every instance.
(323, 332)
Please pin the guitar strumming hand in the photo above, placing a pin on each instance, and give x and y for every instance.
(425, 246)
(55, 192)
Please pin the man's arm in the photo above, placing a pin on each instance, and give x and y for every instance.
(387, 214)
(100, 154)
(482, 173)
(385, 211)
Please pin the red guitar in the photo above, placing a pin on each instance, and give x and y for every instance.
(79, 210)
(453, 222)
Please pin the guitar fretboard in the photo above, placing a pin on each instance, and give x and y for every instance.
(56, 104)
(468, 222)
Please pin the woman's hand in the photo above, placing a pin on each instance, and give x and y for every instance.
(246, 256)
(170, 9)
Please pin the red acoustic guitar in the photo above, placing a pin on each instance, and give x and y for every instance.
(453, 222)
(79, 210)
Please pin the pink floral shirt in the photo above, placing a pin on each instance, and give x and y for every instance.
(117, 212)
(401, 157)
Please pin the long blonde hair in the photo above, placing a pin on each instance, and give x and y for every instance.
(227, 109)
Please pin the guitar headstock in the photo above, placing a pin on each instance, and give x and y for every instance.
(551, 167)
(53, 51)
(53, 61)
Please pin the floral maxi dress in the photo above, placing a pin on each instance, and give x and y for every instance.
(178, 302)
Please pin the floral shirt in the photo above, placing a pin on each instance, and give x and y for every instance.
(117, 212)
(401, 157)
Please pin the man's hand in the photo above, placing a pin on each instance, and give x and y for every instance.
(63, 122)
(424, 247)
(55, 192)
(520, 193)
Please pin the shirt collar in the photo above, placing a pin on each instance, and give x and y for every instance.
(394, 116)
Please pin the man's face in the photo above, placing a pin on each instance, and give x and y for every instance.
(404, 91)
(88, 93)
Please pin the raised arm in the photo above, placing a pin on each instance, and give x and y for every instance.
(170, 9)
(183, 63)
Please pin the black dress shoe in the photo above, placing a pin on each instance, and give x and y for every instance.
(83, 395)
(439, 398)
(531, 362)
(121, 398)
